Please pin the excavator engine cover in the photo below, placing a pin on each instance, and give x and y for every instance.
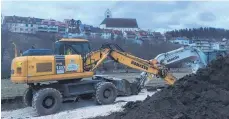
(37, 52)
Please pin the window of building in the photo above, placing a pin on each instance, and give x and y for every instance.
(21, 29)
(53, 28)
(26, 25)
(31, 25)
(44, 28)
(52, 23)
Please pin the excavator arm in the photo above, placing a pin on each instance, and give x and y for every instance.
(95, 59)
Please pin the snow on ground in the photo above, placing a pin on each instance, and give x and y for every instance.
(77, 110)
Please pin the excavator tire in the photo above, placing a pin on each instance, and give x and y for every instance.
(106, 93)
(27, 97)
(47, 101)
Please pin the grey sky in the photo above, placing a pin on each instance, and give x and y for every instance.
(157, 16)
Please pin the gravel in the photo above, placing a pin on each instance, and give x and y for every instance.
(78, 110)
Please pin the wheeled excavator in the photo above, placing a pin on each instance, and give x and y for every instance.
(53, 78)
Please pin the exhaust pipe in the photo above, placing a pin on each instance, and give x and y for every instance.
(15, 49)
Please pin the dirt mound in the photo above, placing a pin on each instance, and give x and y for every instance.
(204, 95)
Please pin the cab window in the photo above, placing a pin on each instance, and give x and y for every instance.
(80, 48)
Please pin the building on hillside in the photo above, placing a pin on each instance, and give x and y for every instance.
(74, 26)
(181, 40)
(52, 26)
(117, 34)
(87, 30)
(48, 26)
(122, 24)
(106, 34)
(96, 32)
(218, 46)
(158, 36)
(129, 35)
(150, 36)
(22, 24)
(204, 45)
(143, 35)
(62, 27)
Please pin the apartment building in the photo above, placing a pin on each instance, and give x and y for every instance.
(22, 24)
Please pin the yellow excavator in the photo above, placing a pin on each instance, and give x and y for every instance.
(55, 77)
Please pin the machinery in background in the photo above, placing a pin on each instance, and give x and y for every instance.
(186, 55)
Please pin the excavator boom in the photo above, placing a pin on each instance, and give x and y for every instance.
(94, 59)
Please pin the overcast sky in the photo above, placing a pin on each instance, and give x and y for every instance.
(157, 16)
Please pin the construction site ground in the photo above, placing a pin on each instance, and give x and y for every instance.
(81, 109)
(10, 90)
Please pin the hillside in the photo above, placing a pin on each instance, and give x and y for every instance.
(25, 41)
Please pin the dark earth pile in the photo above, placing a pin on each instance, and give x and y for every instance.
(204, 95)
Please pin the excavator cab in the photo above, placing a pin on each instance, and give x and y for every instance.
(72, 46)
(62, 47)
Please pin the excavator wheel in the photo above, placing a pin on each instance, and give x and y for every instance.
(27, 97)
(106, 93)
(47, 101)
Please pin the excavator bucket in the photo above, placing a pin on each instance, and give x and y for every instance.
(124, 87)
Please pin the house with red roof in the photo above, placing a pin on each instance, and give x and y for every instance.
(143, 35)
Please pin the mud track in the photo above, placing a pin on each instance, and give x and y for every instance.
(201, 96)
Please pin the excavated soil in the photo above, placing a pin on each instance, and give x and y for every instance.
(204, 95)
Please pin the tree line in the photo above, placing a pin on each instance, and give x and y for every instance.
(200, 33)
